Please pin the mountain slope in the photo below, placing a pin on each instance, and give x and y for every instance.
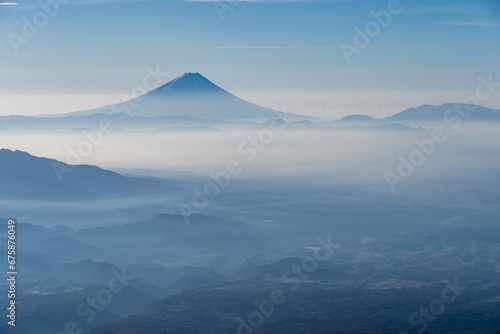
(25, 176)
(193, 95)
(170, 233)
(440, 113)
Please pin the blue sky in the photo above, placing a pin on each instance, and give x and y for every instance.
(99, 47)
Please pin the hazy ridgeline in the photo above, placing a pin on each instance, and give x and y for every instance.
(302, 185)
(362, 196)
(285, 224)
(329, 166)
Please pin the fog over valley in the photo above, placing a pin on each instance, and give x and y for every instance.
(249, 167)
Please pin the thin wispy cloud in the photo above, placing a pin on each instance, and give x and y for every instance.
(319, 47)
(260, 1)
(184, 38)
(422, 10)
(32, 6)
(94, 2)
(221, 0)
(451, 9)
(471, 24)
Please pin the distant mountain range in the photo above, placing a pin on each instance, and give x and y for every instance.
(200, 102)
(405, 120)
(160, 239)
(191, 102)
(24, 177)
(57, 266)
(446, 111)
(166, 233)
(431, 113)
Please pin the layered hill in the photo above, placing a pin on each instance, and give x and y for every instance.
(24, 176)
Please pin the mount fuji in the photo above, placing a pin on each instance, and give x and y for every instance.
(195, 96)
